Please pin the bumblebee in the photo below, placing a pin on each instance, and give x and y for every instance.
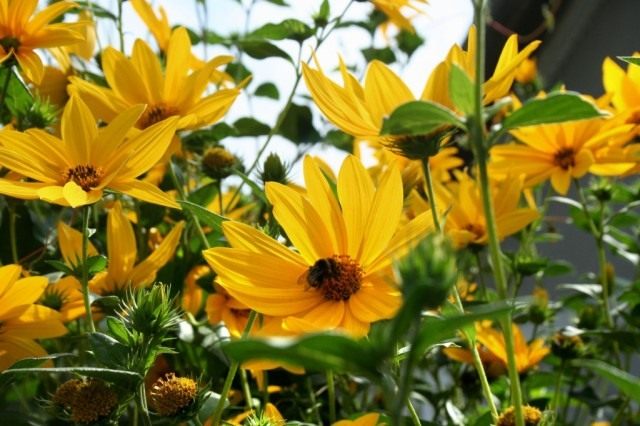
(320, 272)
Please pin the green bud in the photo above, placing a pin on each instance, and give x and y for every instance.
(274, 170)
(39, 114)
(589, 317)
(602, 190)
(150, 312)
(218, 163)
(567, 346)
(431, 265)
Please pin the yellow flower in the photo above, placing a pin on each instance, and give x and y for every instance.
(160, 28)
(172, 92)
(221, 307)
(22, 30)
(65, 296)
(340, 276)
(122, 271)
(70, 243)
(493, 351)
(76, 170)
(393, 10)
(192, 293)
(527, 71)
(371, 419)
(561, 152)
(466, 222)
(623, 88)
(21, 320)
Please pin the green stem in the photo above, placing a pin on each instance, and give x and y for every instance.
(426, 168)
(142, 404)
(12, 235)
(246, 390)
(233, 369)
(85, 269)
(183, 196)
(556, 393)
(415, 418)
(479, 144)
(314, 402)
(220, 204)
(119, 24)
(331, 391)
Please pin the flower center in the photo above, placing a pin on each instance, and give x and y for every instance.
(86, 176)
(565, 158)
(155, 114)
(53, 299)
(172, 394)
(9, 43)
(337, 277)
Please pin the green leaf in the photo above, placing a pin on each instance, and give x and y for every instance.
(248, 126)
(324, 12)
(555, 108)
(436, 329)
(385, 55)
(340, 140)
(259, 49)
(267, 90)
(204, 195)
(60, 266)
(408, 41)
(634, 60)
(419, 118)
(278, 2)
(291, 29)
(205, 216)
(320, 352)
(118, 330)
(29, 363)
(108, 350)
(461, 90)
(121, 377)
(625, 382)
(297, 125)
(96, 264)
(255, 188)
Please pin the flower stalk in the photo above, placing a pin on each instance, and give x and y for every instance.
(84, 279)
(478, 139)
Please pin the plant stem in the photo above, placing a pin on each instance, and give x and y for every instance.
(85, 268)
(233, 369)
(314, 402)
(478, 138)
(220, 204)
(119, 24)
(183, 196)
(246, 389)
(415, 418)
(426, 168)
(556, 392)
(142, 405)
(331, 391)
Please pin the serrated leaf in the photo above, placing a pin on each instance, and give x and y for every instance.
(267, 90)
(625, 382)
(259, 49)
(205, 216)
(419, 118)
(248, 126)
(461, 90)
(554, 108)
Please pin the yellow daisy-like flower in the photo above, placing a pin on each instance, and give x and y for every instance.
(70, 243)
(168, 91)
(466, 222)
(21, 320)
(65, 296)
(123, 271)
(622, 87)
(340, 276)
(564, 151)
(493, 351)
(394, 9)
(75, 170)
(371, 419)
(22, 31)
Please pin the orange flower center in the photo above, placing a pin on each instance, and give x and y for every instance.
(565, 158)
(86, 176)
(337, 277)
(155, 114)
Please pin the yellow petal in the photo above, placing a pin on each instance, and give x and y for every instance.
(76, 196)
(70, 243)
(384, 91)
(30, 65)
(178, 53)
(145, 272)
(148, 66)
(145, 191)
(123, 77)
(109, 138)
(121, 245)
(78, 130)
(13, 349)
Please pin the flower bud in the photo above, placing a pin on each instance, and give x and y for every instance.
(218, 163)
(274, 170)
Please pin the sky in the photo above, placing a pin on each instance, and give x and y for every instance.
(443, 23)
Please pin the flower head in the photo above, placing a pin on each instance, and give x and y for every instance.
(123, 270)
(532, 416)
(172, 92)
(75, 170)
(87, 401)
(340, 276)
(21, 320)
(64, 296)
(22, 31)
(171, 394)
